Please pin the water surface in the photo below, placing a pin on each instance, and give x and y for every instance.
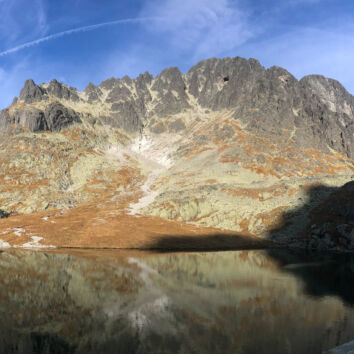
(216, 302)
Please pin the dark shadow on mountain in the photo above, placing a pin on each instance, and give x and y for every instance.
(325, 272)
(322, 273)
(322, 204)
(322, 265)
(210, 242)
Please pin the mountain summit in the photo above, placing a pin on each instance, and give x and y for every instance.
(230, 145)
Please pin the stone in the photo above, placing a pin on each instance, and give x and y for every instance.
(31, 92)
(58, 116)
(126, 117)
(177, 125)
(62, 91)
(93, 92)
(109, 83)
(158, 128)
(4, 214)
(5, 121)
(31, 118)
(171, 91)
(270, 102)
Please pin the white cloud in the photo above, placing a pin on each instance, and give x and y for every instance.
(207, 28)
(42, 25)
(21, 18)
(71, 31)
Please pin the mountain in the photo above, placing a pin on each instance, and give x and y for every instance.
(228, 149)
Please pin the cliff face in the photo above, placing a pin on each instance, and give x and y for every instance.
(269, 102)
(229, 144)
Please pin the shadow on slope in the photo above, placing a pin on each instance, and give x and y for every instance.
(323, 273)
(324, 222)
(210, 242)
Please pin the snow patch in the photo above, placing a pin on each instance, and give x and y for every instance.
(156, 151)
(4, 244)
(18, 231)
(154, 157)
(148, 197)
(35, 243)
(118, 153)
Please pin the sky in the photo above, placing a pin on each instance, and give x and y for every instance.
(82, 41)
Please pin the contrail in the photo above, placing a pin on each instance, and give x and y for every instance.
(75, 30)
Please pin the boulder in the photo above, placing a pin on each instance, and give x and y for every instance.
(5, 121)
(31, 118)
(59, 117)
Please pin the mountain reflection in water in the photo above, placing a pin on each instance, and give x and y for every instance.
(218, 302)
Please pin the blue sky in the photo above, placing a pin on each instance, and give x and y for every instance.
(36, 41)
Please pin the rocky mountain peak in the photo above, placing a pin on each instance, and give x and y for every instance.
(93, 92)
(270, 102)
(230, 144)
(61, 91)
(109, 83)
(331, 93)
(31, 92)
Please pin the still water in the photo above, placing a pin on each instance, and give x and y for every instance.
(217, 302)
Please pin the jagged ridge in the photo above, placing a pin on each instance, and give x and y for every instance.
(271, 102)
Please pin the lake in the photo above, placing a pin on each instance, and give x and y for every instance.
(259, 301)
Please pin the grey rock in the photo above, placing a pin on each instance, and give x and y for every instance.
(59, 117)
(171, 91)
(109, 83)
(18, 130)
(224, 132)
(126, 117)
(315, 112)
(119, 93)
(272, 102)
(158, 128)
(93, 92)
(5, 121)
(261, 159)
(177, 125)
(331, 93)
(55, 117)
(14, 101)
(202, 139)
(59, 90)
(31, 118)
(31, 92)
